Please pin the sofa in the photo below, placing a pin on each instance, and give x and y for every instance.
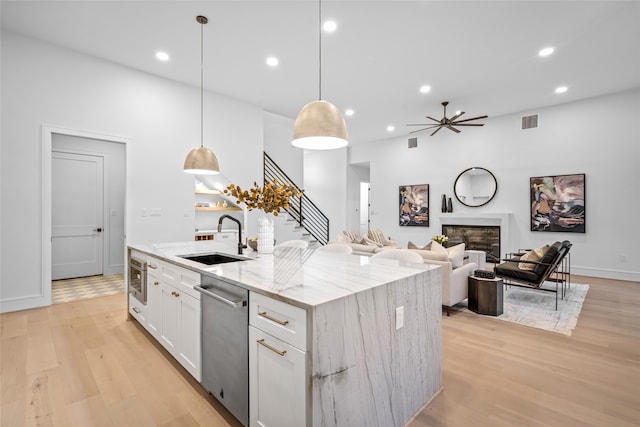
(374, 242)
(455, 270)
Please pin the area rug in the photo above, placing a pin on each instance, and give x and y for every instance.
(537, 308)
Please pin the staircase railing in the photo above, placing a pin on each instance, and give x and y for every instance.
(301, 209)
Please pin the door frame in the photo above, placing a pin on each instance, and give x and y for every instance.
(47, 149)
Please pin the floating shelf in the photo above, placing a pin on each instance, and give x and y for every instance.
(218, 208)
(207, 191)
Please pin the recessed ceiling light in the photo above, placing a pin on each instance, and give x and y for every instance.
(329, 26)
(272, 61)
(546, 51)
(391, 128)
(348, 112)
(425, 89)
(162, 56)
(561, 89)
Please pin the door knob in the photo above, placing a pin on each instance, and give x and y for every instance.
(98, 230)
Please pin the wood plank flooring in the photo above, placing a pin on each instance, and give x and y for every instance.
(84, 364)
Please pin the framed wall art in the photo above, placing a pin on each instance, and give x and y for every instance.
(414, 205)
(558, 203)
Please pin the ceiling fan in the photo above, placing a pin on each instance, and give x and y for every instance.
(447, 123)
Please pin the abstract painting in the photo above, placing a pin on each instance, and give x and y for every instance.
(558, 203)
(414, 205)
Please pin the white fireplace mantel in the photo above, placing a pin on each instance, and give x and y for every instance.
(501, 219)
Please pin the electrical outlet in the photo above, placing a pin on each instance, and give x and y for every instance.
(156, 212)
(399, 317)
(623, 258)
(144, 212)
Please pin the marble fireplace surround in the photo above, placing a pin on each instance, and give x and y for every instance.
(488, 219)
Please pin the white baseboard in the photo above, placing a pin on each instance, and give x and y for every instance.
(24, 303)
(606, 274)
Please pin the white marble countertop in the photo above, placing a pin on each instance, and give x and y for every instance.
(302, 277)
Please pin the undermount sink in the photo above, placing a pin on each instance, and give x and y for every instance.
(213, 258)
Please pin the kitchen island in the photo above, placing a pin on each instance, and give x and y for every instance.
(334, 339)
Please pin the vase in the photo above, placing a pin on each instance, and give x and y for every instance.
(265, 234)
(449, 205)
(444, 203)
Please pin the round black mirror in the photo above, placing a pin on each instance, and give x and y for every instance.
(475, 187)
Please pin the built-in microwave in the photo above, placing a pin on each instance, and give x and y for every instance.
(138, 279)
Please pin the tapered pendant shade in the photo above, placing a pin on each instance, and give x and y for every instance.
(201, 161)
(320, 126)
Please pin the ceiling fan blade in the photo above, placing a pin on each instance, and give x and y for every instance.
(420, 130)
(467, 124)
(473, 118)
(420, 124)
(431, 118)
(434, 132)
(453, 129)
(456, 116)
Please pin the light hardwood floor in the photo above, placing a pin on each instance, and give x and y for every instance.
(83, 363)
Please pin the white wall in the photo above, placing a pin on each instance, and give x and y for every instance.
(325, 183)
(43, 84)
(278, 133)
(597, 137)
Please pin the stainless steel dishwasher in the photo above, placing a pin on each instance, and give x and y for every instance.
(225, 345)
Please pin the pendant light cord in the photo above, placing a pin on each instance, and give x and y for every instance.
(201, 84)
(319, 49)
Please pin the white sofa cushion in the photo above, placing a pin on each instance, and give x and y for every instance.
(456, 255)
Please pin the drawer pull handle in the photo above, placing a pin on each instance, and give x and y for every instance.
(275, 350)
(135, 309)
(156, 283)
(153, 266)
(175, 294)
(279, 322)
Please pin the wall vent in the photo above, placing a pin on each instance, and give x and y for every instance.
(529, 122)
(413, 142)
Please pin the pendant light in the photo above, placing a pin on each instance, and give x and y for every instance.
(319, 125)
(201, 160)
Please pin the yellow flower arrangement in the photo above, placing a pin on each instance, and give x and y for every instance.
(270, 198)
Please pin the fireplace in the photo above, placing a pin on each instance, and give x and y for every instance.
(484, 238)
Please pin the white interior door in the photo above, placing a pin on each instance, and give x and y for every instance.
(77, 215)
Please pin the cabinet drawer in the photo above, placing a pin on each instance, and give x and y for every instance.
(184, 280)
(281, 320)
(138, 310)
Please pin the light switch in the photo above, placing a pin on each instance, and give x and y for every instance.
(399, 317)
(144, 212)
(113, 212)
(156, 212)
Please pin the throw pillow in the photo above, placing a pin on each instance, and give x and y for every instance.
(437, 247)
(412, 245)
(540, 251)
(377, 236)
(456, 255)
(529, 256)
(369, 242)
(353, 236)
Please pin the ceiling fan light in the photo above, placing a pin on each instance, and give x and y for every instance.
(319, 126)
(201, 161)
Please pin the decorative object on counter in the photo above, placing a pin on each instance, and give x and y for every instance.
(444, 203)
(224, 204)
(414, 205)
(440, 238)
(253, 243)
(319, 125)
(270, 198)
(449, 205)
(201, 160)
(265, 234)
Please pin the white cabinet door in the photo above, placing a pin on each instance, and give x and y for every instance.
(170, 328)
(277, 387)
(154, 305)
(189, 345)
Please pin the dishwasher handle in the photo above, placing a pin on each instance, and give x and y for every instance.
(234, 304)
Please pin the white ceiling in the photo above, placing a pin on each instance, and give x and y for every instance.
(479, 55)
